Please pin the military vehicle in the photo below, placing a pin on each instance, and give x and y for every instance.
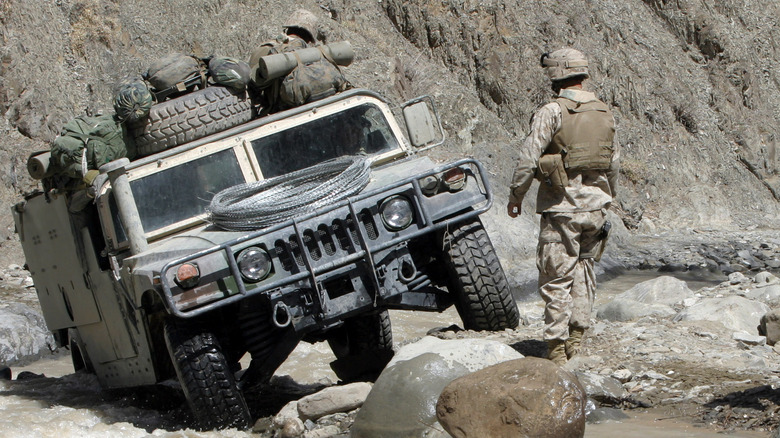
(144, 288)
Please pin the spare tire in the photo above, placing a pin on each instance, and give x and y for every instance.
(190, 117)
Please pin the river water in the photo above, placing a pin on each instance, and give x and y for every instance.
(65, 404)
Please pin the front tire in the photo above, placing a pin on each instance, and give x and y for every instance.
(363, 347)
(482, 295)
(206, 377)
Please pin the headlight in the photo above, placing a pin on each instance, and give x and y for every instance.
(254, 264)
(396, 213)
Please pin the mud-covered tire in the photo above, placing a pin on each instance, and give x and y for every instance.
(482, 295)
(206, 377)
(363, 346)
(190, 117)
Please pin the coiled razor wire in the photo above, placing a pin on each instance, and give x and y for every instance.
(261, 204)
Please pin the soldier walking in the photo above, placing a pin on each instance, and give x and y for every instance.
(571, 150)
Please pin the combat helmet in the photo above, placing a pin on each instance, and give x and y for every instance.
(303, 20)
(564, 64)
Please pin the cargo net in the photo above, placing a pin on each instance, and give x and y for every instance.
(261, 204)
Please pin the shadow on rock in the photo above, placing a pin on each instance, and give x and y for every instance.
(531, 347)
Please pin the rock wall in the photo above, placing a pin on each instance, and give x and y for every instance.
(693, 84)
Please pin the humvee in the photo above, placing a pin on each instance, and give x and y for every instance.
(143, 288)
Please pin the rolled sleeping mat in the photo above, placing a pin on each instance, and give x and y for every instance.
(276, 66)
(38, 164)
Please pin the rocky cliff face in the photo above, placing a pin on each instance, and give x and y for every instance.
(694, 86)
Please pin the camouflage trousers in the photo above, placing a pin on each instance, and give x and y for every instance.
(567, 282)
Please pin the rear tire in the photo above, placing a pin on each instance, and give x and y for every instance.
(190, 117)
(206, 377)
(363, 347)
(482, 295)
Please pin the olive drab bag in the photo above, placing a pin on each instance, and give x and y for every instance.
(175, 73)
(87, 143)
(311, 81)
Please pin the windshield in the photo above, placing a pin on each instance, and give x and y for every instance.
(361, 130)
(181, 192)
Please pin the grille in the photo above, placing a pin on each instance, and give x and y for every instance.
(325, 240)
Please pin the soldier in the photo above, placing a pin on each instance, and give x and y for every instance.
(572, 150)
(300, 32)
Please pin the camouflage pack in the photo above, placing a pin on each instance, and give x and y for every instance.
(311, 81)
(229, 72)
(87, 143)
(132, 99)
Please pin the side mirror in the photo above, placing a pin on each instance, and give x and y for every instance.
(422, 123)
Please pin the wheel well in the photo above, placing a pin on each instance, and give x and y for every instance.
(154, 314)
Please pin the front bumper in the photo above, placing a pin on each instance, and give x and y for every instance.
(335, 261)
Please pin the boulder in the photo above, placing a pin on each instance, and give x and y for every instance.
(734, 312)
(474, 354)
(765, 293)
(603, 389)
(333, 399)
(23, 332)
(769, 326)
(528, 397)
(623, 309)
(662, 290)
(402, 402)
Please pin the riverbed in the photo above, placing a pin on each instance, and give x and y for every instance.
(64, 404)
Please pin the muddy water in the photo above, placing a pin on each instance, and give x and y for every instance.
(69, 405)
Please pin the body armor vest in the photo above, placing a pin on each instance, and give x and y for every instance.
(585, 137)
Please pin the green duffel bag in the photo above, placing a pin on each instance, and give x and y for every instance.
(86, 143)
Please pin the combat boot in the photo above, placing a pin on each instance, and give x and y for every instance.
(572, 345)
(556, 351)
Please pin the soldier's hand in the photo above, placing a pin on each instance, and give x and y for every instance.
(513, 209)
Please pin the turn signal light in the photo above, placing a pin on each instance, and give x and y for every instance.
(454, 179)
(187, 276)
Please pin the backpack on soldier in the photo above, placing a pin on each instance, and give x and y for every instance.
(87, 143)
(311, 81)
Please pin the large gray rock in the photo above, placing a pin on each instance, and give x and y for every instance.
(735, 313)
(527, 397)
(623, 309)
(333, 399)
(23, 332)
(402, 402)
(604, 389)
(662, 290)
(770, 326)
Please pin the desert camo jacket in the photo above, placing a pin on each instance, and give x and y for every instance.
(587, 190)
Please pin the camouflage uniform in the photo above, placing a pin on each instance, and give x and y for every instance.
(571, 220)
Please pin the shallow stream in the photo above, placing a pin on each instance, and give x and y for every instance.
(72, 405)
